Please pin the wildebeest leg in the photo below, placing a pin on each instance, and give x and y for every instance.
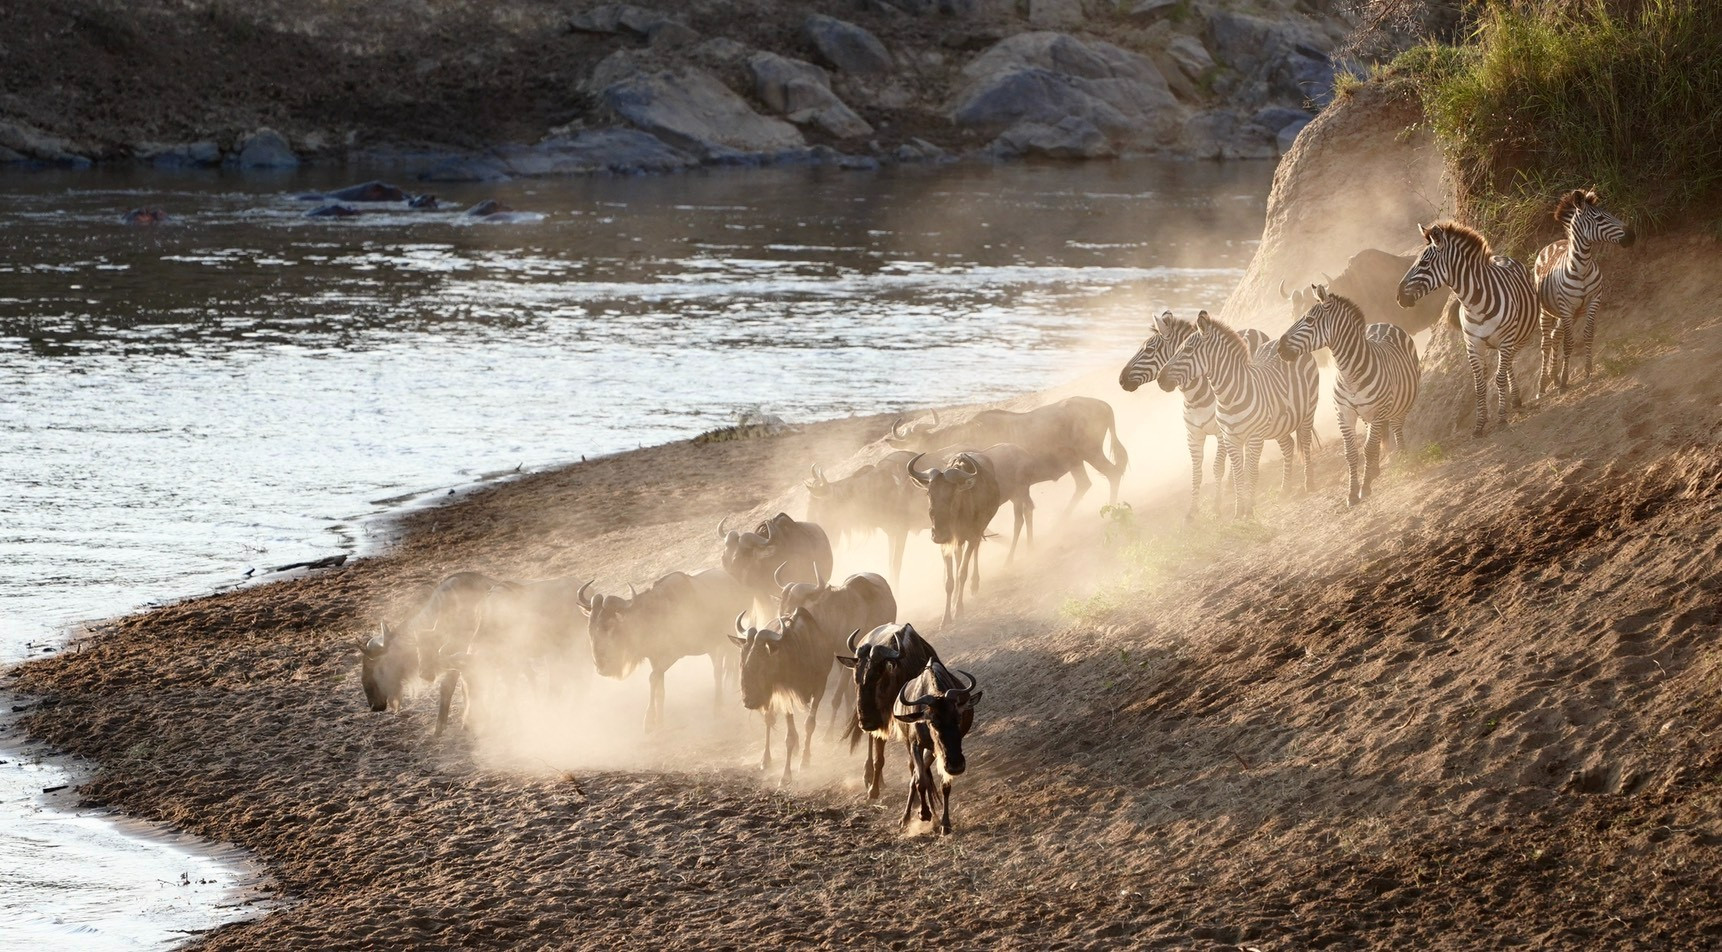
(718, 667)
(445, 699)
(1079, 473)
(1016, 510)
(770, 717)
(950, 581)
(655, 706)
(945, 798)
(875, 767)
(1028, 516)
(914, 783)
(1288, 449)
(789, 741)
(924, 768)
(972, 567)
(812, 725)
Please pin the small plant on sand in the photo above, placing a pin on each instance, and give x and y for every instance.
(1120, 521)
(1425, 456)
(1620, 356)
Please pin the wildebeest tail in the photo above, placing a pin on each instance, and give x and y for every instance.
(1120, 458)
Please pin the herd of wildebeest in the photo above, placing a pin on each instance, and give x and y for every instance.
(773, 617)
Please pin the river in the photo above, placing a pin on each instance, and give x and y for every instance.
(187, 405)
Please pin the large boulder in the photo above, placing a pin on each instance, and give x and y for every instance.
(802, 92)
(1284, 59)
(1223, 134)
(618, 151)
(847, 47)
(181, 155)
(33, 145)
(1073, 137)
(264, 149)
(1044, 77)
(690, 109)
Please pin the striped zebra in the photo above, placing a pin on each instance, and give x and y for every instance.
(1378, 376)
(1569, 281)
(1200, 420)
(1498, 305)
(1254, 401)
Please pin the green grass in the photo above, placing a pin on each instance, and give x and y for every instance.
(1149, 559)
(1556, 94)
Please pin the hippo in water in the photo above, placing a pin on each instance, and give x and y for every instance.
(145, 216)
(334, 211)
(363, 192)
(492, 210)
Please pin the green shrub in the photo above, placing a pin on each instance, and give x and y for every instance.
(1556, 94)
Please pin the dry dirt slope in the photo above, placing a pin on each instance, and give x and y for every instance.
(1481, 711)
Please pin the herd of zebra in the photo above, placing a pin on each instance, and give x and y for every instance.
(811, 638)
(1244, 389)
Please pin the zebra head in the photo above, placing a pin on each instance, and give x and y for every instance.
(1168, 334)
(1328, 314)
(1445, 244)
(1587, 222)
(1207, 346)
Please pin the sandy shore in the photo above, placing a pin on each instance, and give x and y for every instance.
(1479, 712)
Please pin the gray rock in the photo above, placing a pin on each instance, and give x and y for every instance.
(264, 149)
(617, 19)
(671, 34)
(182, 155)
(1288, 135)
(802, 92)
(1305, 77)
(691, 110)
(1045, 77)
(1152, 11)
(1283, 59)
(11, 157)
(1241, 41)
(1278, 117)
(1073, 137)
(1192, 57)
(846, 46)
(1223, 134)
(1055, 14)
(618, 151)
(721, 51)
(34, 145)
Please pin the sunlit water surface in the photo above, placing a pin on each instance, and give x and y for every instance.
(241, 387)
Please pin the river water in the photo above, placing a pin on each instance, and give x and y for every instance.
(243, 386)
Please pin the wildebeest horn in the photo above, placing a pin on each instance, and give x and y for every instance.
(373, 648)
(935, 418)
(896, 429)
(722, 536)
(921, 479)
(740, 629)
(967, 677)
(851, 642)
(817, 581)
(903, 697)
(1325, 279)
(777, 575)
(1283, 293)
(631, 593)
(580, 596)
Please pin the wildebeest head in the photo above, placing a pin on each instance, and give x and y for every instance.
(918, 437)
(748, 555)
(762, 657)
(946, 489)
(609, 626)
(793, 595)
(387, 662)
(943, 701)
(877, 667)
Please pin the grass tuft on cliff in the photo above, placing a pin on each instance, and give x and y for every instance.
(1625, 97)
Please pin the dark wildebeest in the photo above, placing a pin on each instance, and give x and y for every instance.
(962, 500)
(883, 660)
(875, 496)
(778, 549)
(1072, 431)
(863, 601)
(1371, 281)
(784, 666)
(932, 713)
(680, 615)
(471, 619)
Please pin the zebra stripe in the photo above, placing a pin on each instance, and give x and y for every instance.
(1255, 401)
(1378, 377)
(1569, 282)
(1498, 305)
(1200, 419)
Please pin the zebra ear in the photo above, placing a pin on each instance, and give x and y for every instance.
(1203, 321)
(1426, 231)
(1158, 325)
(1320, 291)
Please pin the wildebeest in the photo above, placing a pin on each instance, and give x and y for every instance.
(680, 615)
(1072, 431)
(882, 660)
(962, 500)
(933, 712)
(864, 601)
(875, 496)
(471, 622)
(784, 666)
(1371, 281)
(778, 548)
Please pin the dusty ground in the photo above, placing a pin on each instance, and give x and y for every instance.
(1482, 711)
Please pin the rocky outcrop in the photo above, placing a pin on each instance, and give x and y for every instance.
(1073, 137)
(623, 19)
(1045, 77)
(181, 155)
(847, 47)
(1224, 134)
(1362, 175)
(1282, 59)
(690, 109)
(801, 92)
(20, 143)
(264, 149)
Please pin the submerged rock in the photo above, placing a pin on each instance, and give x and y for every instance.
(181, 155)
(264, 149)
(1073, 137)
(619, 151)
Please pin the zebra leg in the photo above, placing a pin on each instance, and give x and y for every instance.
(1252, 467)
(1288, 450)
(1396, 430)
(1220, 455)
(1348, 419)
(1196, 441)
(1372, 456)
(1236, 453)
(1306, 440)
(1506, 389)
(1589, 332)
(1549, 331)
(1479, 384)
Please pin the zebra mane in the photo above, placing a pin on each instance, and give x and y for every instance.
(1571, 201)
(1225, 334)
(1343, 304)
(1468, 238)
